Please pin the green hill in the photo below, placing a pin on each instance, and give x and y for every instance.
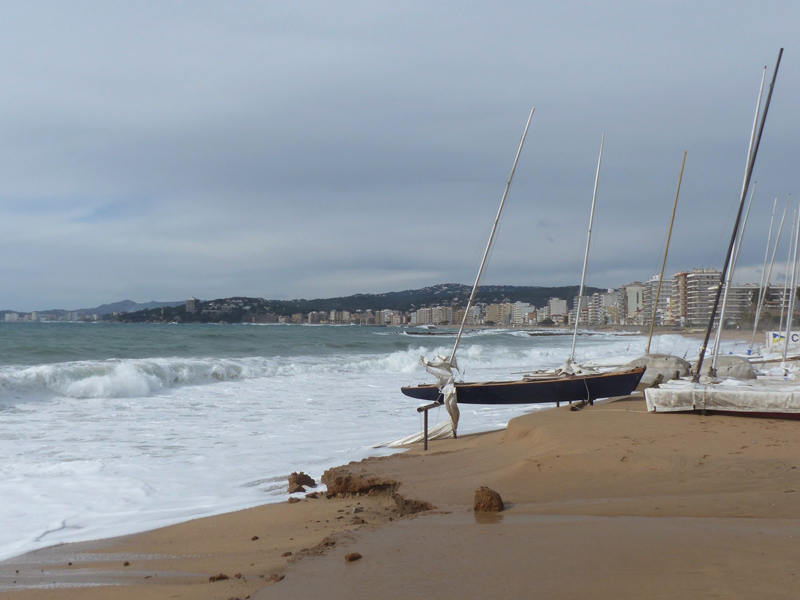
(234, 309)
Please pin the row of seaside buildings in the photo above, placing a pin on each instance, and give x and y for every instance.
(685, 300)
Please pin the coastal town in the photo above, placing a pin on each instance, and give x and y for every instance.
(684, 300)
(241, 352)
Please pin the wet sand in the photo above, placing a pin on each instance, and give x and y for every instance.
(610, 501)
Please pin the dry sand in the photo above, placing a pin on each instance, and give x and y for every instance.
(607, 502)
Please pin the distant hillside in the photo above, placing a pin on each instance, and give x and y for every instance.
(238, 309)
(125, 306)
(445, 294)
(442, 294)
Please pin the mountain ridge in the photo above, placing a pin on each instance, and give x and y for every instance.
(405, 300)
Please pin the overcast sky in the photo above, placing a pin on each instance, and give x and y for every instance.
(161, 150)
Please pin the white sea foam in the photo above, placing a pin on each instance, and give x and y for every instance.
(121, 378)
(96, 448)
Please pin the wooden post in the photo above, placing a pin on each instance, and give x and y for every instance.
(425, 447)
(425, 409)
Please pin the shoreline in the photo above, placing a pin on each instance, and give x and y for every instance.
(710, 498)
(177, 561)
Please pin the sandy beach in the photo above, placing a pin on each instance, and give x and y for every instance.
(610, 501)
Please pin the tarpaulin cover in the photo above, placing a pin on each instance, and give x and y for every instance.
(758, 396)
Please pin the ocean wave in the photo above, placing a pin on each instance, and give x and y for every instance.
(117, 378)
(132, 378)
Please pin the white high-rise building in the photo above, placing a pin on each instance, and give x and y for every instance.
(519, 313)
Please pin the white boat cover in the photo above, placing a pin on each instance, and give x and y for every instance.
(728, 366)
(756, 396)
(442, 367)
(572, 367)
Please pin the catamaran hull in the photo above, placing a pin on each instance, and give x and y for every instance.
(536, 391)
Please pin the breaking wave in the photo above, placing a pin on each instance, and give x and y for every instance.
(130, 378)
(117, 378)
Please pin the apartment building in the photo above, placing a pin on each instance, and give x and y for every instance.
(602, 308)
(519, 313)
(441, 315)
(676, 308)
(498, 314)
(192, 304)
(651, 290)
(557, 310)
(741, 304)
(631, 303)
(701, 288)
(573, 312)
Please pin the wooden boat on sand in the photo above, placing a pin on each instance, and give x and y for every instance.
(537, 390)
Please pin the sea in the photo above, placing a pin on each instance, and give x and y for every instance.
(110, 429)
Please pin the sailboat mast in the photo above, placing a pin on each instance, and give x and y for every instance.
(664, 262)
(748, 173)
(792, 295)
(726, 281)
(491, 239)
(761, 290)
(586, 255)
(731, 271)
(738, 246)
(786, 275)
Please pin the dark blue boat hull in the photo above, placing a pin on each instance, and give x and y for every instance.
(570, 388)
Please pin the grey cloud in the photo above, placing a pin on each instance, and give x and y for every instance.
(167, 150)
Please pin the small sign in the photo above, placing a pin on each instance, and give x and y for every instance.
(777, 337)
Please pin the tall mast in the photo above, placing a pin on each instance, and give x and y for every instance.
(664, 262)
(491, 239)
(786, 275)
(726, 281)
(731, 271)
(765, 274)
(586, 255)
(738, 246)
(792, 295)
(748, 173)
